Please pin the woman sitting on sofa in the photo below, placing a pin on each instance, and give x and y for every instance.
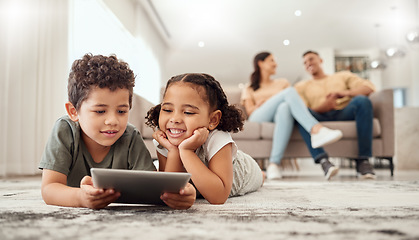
(269, 100)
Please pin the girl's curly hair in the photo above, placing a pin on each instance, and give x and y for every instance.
(100, 71)
(231, 118)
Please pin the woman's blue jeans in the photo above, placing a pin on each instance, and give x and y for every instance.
(283, 109)
(358, 109)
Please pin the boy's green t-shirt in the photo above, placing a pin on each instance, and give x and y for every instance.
(66, 152)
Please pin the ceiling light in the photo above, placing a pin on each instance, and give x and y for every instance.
(395, 52)
(412, 36)
(201, 44)
(297, 13)
(377, 64)
(286, 42)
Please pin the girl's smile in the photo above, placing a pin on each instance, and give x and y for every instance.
(175, 132)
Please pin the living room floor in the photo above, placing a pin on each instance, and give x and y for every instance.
(346, 174)
(302, 205)
(306, 170)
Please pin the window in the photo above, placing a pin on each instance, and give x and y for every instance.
(399, 96)
(95, 29)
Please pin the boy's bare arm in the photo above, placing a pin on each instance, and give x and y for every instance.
(56, 192)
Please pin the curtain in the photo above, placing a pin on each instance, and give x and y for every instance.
(33, 75)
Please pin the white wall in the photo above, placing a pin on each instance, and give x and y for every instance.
(125, 11)
(413, 91)
(156, 51)
(100, 27)
(150, 58)
(232, 66)
(228, 69)
(398, 72)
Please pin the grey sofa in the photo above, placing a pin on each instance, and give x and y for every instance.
(256, 138)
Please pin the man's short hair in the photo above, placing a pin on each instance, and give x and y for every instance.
(310, 51)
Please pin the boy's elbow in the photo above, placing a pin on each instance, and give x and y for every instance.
(46, 195)
(49, 194)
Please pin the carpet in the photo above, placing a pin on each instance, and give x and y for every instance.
(279, 210)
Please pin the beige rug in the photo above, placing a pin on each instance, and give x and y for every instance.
(280, 210)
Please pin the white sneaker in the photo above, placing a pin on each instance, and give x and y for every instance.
(325, 136)
(273, 172)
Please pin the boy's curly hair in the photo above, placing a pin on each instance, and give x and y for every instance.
(98, 71)
(232, 118)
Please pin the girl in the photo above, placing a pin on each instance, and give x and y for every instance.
(269, 100)
(193, 122)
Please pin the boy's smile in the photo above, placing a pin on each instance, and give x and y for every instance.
(103, 117)
(110, 133)
(182, 112)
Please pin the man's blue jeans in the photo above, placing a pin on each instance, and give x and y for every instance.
(358, 109)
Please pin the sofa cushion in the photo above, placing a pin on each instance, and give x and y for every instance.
(147, 132)
(251, 131)
(233, 94)
(137, 114)
(348, 129)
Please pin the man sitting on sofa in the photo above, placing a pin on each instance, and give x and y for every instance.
(338, 97)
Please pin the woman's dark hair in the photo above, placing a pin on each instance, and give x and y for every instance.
(231, 117)
(255, 77)
(101, 71)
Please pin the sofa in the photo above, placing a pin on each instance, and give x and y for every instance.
(256, 138)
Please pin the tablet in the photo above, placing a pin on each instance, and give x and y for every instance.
(139, 187)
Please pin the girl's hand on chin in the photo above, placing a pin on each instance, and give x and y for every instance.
(161, 138)
(197, 139)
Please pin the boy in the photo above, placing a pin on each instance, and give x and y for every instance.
(96, 133)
